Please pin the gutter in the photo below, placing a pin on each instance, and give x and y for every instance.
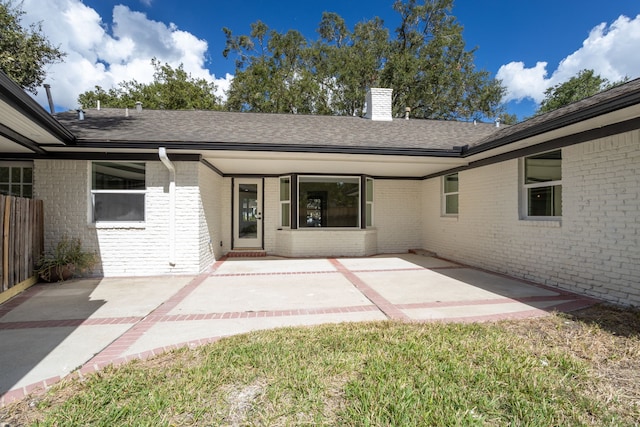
(455, 152)
(162, 153)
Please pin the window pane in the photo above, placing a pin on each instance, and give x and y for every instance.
(369, 215)
(284, 189)
(27, 175)
(27, 191)
(15, 175)
(248, 211)
(545, 201)
(118, 207)
(369, 190)
(329, 202)
(543, 168)
(451, 183)
(285, 221)
(451, 204)
(4, 174)
(4, 189)
(118, 176)
(15, 190)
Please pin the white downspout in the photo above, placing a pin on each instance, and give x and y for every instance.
(162, 153)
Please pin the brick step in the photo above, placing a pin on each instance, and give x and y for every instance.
(246, 253)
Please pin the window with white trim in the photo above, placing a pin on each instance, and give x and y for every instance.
(369, 202)
(16, 179)
(328, 201)
(118, 191)
(285, 201)
(542, 185)
(450, 194)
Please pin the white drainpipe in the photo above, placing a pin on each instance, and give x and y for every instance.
(162, 152)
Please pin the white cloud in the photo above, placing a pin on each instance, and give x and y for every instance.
(107, 53)
(222, 85)
(611, 51)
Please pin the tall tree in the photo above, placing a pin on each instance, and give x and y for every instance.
(429, 69)
(586, 83)
(426, 65)
(171, 89)
(272, 73)
(24, 52)
(347, 63)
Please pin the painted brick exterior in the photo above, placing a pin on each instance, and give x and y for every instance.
(593, 250)
(127, 249)
(271, 213)
(379, 104)
(211, 216)
(323, 243)
(397, 215)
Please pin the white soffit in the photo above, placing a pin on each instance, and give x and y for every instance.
(9, 146)
(270, 163)
(26, 127)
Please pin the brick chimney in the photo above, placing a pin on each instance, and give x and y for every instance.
(379, 104)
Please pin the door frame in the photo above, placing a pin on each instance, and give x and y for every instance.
(236, 241)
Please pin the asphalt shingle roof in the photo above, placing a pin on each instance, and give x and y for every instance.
(588, 106)
(336, 132)
(283, 129)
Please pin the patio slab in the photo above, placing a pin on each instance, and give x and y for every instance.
(220, 294)
(50, 330)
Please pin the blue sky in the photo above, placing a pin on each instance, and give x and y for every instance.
(530, 45)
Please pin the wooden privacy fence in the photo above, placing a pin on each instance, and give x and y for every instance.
(22, 226)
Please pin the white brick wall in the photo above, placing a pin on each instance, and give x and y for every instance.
(318, 243)
(593, 250)
(397, 215)
(211, 216)
(271, 213)
(127, 249)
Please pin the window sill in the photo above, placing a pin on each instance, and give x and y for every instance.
(449, 217)
(118, 225)
(541, 222)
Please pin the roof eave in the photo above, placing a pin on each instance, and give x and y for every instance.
(580, 115)
(18, 99)
(282, 148)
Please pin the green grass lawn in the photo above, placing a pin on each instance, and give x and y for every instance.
(526, 373)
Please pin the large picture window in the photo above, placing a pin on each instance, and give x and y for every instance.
(118, 191)
(543, 185)
(328, 201)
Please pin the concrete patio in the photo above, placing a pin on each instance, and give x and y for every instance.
(82, 325)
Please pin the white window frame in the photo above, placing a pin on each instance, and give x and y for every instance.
(93, 192)
(446, 194)
(526, 187)
(351, 177)
(284, 202)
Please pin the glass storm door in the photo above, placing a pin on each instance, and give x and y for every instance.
(247, 213)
